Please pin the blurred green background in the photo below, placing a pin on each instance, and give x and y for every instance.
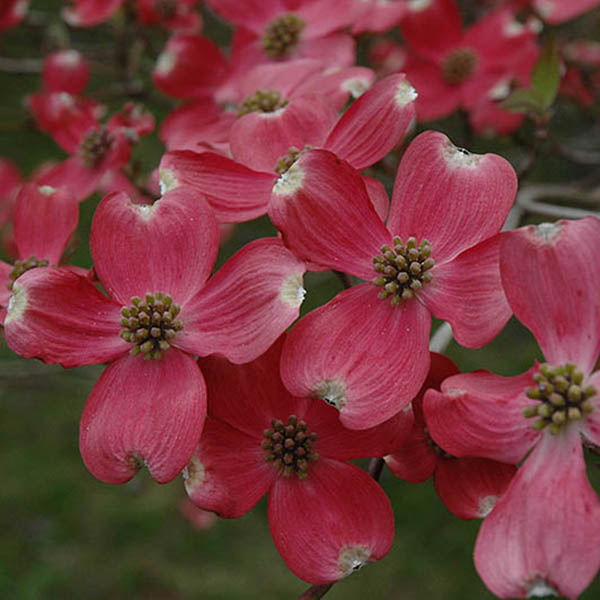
(65, 535)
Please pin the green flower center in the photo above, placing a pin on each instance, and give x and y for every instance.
(21, 266)
(285, 162)
(458, 65)
(282, 35)
(264, 102)
(403, 269)
(94, 147)
(289, 447)
(560, 397)
(150, 324)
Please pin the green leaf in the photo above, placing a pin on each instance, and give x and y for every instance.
(523, 101)
(545, 77)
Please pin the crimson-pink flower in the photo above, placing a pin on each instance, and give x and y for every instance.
(153, 262)
(543, 536)
(327, 517)
(267, 143)
(469, 487)
(366, 351)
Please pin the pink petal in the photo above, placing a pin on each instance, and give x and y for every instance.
(591, 425)
(335, 441)
(228, 473)
(559, 12)
(323, 17)
(254, 14)
(143, 412)
(415, 460)
(467, 292)
(320, 525)
(81, 181)
(86, 13)
(235, 193)
(60, 317)
(338, 83)
(5, 270)
(347, 352)
(375, 123)
(246, 305)
(249, 396)
(195, 122)
(432, 28)
(190, 66)
(481, 414)
(544, 533)
(450, 197)
(470, 487)
(339, 48)
(44, 220)
(323, 211)
(65, 71)
(436, 98)
(258, 140)
(169, 246)
(551, 276)
(285, 77)
(378, 196)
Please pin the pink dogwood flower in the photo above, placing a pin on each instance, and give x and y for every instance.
(270, 30)
(44, 220)
(469, 487)
(327, 517)
(543, 536)
(366, 351)
(265, 144)
(452, 68)
(153, 262)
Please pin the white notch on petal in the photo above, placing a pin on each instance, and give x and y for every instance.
(547, 231)
(405, 93)
(167, 181)
(357, 86)
(352, 558)
(68, 58)
(333, 391)
(194, 475)
(458, 158)
(540, 588)
(17, 304)
(292, 292)
(486, 504)
(145, 210)
(290, 182)
(166, 62)
(418, 5)
(46, 190)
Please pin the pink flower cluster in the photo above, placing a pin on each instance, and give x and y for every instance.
(202, 377)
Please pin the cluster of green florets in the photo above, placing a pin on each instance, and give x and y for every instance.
(560, 395)
(402, 270)
(264, 102)
(94, 146)
(289, 447)
(21, 266)
(150, 324)
(282, 35)
(459, 65)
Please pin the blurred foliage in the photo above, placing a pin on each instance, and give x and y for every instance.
(67, 535)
